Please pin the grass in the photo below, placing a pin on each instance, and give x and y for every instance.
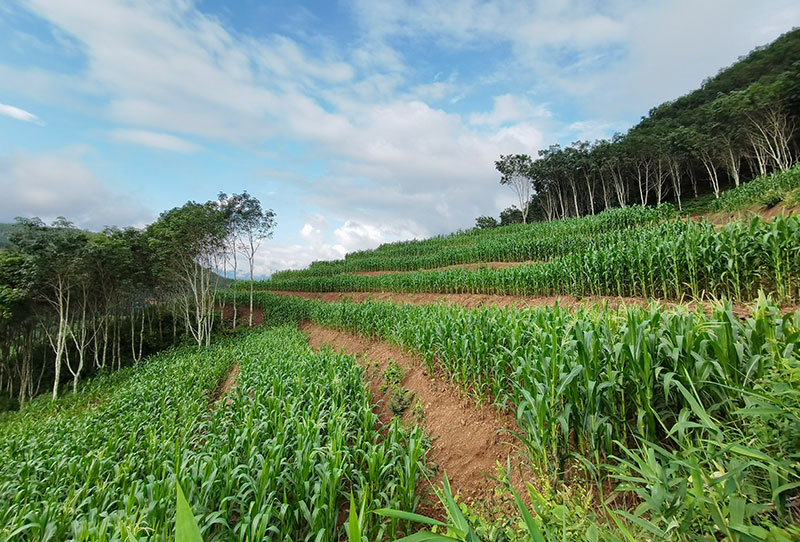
(765, 191)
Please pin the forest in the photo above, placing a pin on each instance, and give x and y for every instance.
(79, 302)
(741, 124)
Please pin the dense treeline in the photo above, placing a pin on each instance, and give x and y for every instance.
(740, 124)
(75, 302)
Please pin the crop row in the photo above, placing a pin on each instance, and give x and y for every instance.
(518, 243)
(670, 260)
(697, 414)
(765, 190)
(274, 460)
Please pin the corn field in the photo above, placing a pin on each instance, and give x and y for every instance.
(696, 415)
(276, 459)
(672, 260)
(541, 241)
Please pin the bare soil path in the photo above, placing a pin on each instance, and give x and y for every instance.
(226, 385)
(468, 442)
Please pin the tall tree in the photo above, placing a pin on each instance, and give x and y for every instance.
(187, 242)
(254, 224)
(54, 259)
(515, 170)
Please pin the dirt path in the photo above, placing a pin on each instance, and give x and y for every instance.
(471, 301)
(226, 385)
(467, 443)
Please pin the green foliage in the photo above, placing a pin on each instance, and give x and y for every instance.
(696, 414)
(510, 215)
(672, 260)
(401, 400)
(274, 459)
(392, 375)
(186, 529)
(5, 229)
(768, 190)
(486, 222)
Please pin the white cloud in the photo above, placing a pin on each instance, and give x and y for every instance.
(19, 114)
(509, 109)
(60, 184)
(393, 165)
(157, 140)
(615, 58)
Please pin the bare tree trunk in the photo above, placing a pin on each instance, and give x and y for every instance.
(235, 268)
(711, 168)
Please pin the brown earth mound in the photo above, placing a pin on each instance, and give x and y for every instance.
(723, 217)
(468, 439)
(226, 385)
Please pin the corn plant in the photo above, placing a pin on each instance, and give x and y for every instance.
(274, 460)
(672, 260)
(593, 390)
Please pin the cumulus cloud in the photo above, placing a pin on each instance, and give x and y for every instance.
(618, 57)
(52, 185)
(19, 114)
(157, 140)
(395, 160)
(509, 109)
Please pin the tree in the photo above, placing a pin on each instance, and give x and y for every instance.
(54, 261)
(515, 170)
(486, 222)
(187, 242)
(510, 215)
(254, 224)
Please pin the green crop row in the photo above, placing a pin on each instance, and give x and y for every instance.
(276, 459)
(767, 190)
(518, 243)
(697, 415)
(670, 260)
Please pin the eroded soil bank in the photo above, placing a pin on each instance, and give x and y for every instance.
(469, 440)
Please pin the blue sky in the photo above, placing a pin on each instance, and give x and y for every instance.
(358, 122)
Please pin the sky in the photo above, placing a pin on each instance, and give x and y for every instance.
(357, 121)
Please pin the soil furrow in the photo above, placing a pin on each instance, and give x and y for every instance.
(469, 441)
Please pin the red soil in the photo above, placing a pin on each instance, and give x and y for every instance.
(242, 315)
(467, 440)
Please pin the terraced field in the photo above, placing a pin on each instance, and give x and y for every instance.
(276, 458)
(638, 378)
